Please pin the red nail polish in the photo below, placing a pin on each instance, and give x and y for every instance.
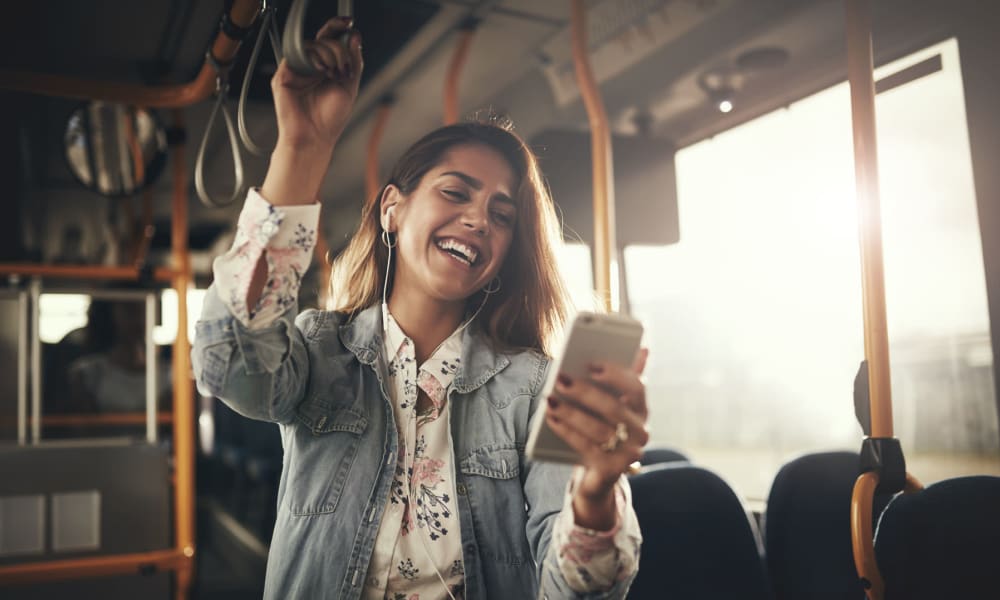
(565, 380)
(553, 403)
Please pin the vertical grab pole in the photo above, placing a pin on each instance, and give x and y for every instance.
(861, 79)
(183, 396)
(22, 369)
(36, 362)
(467, 30)
(601, 157)
(859, 74)
(151, 363)
(371, 157)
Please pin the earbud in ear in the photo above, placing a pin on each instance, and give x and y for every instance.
(388, 218)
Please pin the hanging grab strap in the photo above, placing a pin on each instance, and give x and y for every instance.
(221, 89)
(292, 40)
(269, 27)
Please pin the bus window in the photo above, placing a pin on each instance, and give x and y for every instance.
(166, 331)
(576, 268)
(755, 315)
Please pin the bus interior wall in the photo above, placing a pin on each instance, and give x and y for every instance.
(673, 75)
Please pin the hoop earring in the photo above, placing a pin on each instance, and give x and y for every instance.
(493, 286)
(387, 239)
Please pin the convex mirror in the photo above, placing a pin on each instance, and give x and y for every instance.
(113, 149)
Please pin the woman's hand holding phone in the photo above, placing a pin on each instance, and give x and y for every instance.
(603, 419)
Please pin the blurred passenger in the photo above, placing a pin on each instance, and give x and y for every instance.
(111, 375)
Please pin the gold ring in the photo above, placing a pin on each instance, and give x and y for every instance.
(620, 435)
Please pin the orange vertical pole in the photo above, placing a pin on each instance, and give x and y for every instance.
(601, 156)
(183, 393)
(859, 74)
(371, 163)
(458, 58)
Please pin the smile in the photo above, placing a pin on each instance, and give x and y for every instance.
(460, 251)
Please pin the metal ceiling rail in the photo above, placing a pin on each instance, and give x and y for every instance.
(601, 156)
(241, 15)
(422, 46)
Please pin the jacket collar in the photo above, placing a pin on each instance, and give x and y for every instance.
(362, 335)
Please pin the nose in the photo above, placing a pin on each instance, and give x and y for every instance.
(476, 219)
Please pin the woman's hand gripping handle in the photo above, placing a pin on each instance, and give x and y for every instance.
(312, 113)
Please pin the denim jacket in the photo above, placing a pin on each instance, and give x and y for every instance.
(322, 377)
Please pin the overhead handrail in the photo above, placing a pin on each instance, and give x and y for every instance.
(221, 91)
(269, 27)
(293, 41)
(240, 17)
(85, 272)
(882, 463)
(601, 156)
(467, 31)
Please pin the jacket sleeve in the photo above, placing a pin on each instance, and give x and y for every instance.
(255, 358)
(545, 488)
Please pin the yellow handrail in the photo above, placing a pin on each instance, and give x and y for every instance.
(601, 157)
(454, 72)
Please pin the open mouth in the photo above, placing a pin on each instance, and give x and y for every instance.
(462, 252)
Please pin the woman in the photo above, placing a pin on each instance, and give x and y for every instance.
(405, 411)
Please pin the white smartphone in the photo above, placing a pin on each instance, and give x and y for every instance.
(592, 337)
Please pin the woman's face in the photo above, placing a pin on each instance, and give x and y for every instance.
(455, 228)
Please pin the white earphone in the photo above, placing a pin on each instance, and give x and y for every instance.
(388, 218)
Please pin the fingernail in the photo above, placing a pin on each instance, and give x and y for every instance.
(553, 403)
(564, 380)
(554, 418)
(596, 369)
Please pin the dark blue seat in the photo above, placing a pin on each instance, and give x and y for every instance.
(653, 456)
(699, 541)
(807, 528)
(942, 542)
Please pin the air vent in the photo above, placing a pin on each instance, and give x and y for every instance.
(620, 34)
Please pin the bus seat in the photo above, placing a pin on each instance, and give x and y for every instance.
(653, 456)
(699, 540)
(942, 542)
(807, 528)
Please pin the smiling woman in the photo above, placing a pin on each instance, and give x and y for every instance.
(424, 398)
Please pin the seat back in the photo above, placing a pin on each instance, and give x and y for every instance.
(699, 541)
(942, 542)
(807, 528)
(653, 456)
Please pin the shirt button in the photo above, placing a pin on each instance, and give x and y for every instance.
(460, 489)
(268, 228)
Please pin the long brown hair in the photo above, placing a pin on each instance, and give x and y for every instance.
(531, 306)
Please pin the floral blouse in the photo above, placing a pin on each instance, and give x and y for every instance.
(418, 550)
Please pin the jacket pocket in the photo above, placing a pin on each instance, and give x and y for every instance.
(324, 448)
(490, 478)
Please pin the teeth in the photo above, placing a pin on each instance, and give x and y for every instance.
(467, 253)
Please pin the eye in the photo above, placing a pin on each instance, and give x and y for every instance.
(503, 218)
(457, 195)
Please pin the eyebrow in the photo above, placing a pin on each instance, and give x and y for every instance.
(478, 185)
